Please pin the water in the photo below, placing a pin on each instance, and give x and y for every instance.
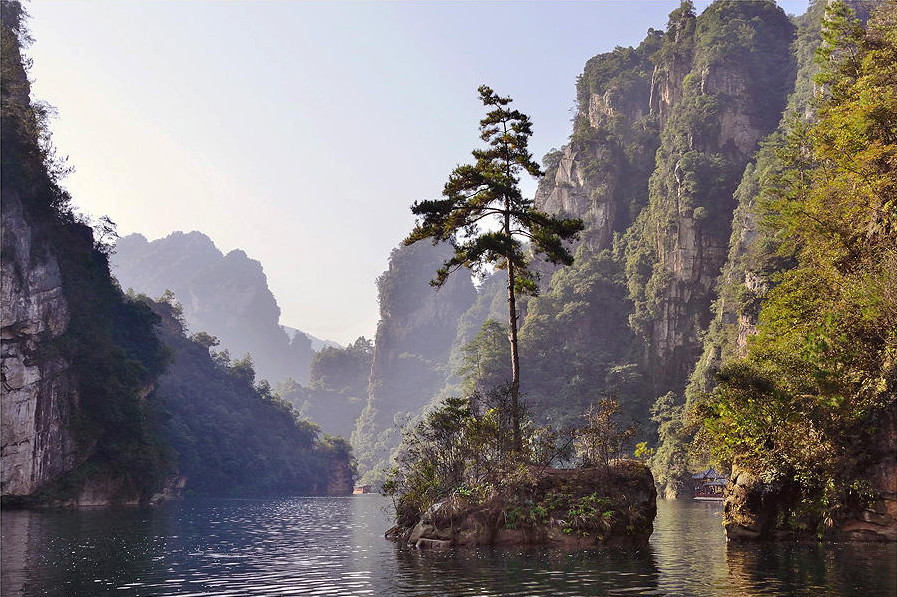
(335, 546)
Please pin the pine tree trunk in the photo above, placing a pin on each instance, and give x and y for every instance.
(515, 361)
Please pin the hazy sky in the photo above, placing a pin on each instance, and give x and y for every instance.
(301, 132)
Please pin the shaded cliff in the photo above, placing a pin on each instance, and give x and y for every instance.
(224, 295)
(232, 436)
(414, 337)
(78, 357)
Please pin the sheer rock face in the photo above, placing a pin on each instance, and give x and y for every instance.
(38, 392)
(699, 108)
(570, 190)
(414, 338)
(586, 182)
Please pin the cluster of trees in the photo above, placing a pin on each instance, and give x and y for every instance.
(804, 407)
(337, 389)
(467, 447)
(232, 435)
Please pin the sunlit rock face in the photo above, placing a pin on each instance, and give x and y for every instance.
(660, 142)
(38, 397)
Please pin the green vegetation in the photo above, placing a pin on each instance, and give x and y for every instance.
(805, 405)
(338, 387)
(488, 190)
(231, 435)
(459, 461)
(567, 366)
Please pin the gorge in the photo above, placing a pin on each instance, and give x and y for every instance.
(731, 329)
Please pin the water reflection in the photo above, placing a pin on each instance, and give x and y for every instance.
(89, 552)
(526, 572)
(335, 546)
(813, 569)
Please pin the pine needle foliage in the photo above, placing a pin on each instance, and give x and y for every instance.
(487, 220)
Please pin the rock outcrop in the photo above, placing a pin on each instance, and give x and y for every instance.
(39, 398)
(758, 510)
(567, 508)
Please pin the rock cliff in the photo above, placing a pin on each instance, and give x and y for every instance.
(39, 397)
(770, 497)
(660, 140)
(224, 295)
(721, 108)
(78, 358)
(414, 338)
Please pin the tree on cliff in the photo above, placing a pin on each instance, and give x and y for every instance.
(488, 191)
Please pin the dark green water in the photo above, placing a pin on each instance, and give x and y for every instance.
(334, 546)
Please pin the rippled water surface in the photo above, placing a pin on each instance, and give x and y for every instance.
(335, 546)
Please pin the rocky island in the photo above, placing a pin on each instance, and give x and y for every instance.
(568, 508)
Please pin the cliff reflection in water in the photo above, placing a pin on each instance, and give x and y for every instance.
(335, 546)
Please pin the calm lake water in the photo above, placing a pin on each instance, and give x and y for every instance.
(335, 546)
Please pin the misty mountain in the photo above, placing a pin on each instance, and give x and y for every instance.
(317, 344)
(224, 295)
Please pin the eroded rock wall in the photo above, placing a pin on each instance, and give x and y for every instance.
(414, 338)
(38, 397)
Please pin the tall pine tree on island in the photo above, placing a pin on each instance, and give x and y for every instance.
(488, 191)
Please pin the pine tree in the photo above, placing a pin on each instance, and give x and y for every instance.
(488, 191)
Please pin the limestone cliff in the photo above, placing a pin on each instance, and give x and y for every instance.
(731, 97)
(850, 493)
(224, 295)
(600, 176)
(39, 397)
(660, 141)
(78, 358)
(414, 337)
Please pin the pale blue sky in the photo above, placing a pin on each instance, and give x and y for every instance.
(301, 132)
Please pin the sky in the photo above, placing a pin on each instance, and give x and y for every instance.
(301, 132)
